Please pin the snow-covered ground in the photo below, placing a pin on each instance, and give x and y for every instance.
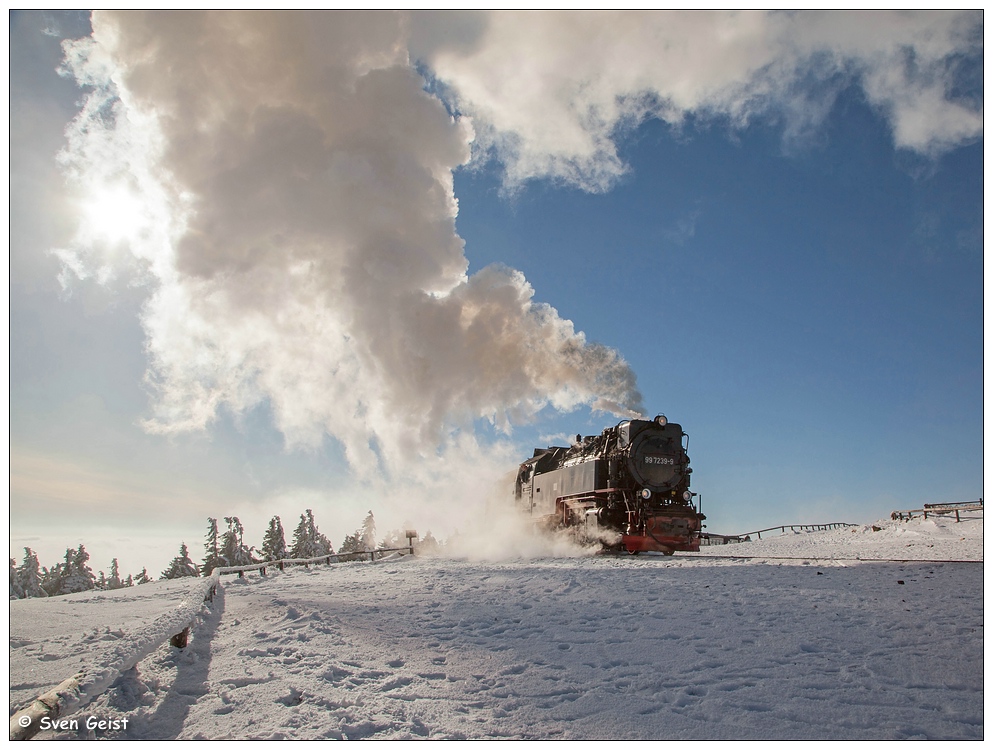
(697, 646)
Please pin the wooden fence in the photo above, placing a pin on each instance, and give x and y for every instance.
(712, 539)
(938, 509)
(174, 626)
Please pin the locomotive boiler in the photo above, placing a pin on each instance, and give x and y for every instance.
(628, 488)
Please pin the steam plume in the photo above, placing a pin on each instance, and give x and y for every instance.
(285, 184)
(295, 216)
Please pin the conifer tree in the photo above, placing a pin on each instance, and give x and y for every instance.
(308, 541)
(212, 556)
(392, 540)
(274, 543)
(369, 532)
(16, 592)
(29, 575)
(114, 582)
(428, 545)
(181, 566)
(78, 576)
(352, 544)
(142, 577)
(301, 540)
(129, 582)
(233, 549)
(51, 579)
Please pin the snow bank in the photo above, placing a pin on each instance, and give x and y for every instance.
(125, 651)
(917, 539)
(687, 647)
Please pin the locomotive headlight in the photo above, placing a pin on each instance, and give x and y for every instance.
(661, 421)
(646, 494)
(687, 496)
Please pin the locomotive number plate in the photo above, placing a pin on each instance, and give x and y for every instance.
(660, 460)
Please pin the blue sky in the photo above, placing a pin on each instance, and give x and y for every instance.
(787, 259)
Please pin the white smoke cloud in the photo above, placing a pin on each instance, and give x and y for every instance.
(284, 184)
(549, 92)
(297, 226)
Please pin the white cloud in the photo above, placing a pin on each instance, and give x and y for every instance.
(549, 92)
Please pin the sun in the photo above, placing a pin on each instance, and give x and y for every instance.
(113, 213)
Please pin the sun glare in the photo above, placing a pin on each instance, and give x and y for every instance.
(113, 213)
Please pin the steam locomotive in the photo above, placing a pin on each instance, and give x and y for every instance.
(627, 488)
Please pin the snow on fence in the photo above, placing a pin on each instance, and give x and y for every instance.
(83, 687)
(938, 509)
(712, 539)
(325, 559)
(173, 626)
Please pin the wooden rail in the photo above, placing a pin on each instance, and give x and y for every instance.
(938, 509)
(81, 688)
(174, 626)
(325, 559)
(797, 527)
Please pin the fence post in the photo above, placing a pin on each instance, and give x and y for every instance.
(180, 640)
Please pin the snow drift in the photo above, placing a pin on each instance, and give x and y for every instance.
(691, 647)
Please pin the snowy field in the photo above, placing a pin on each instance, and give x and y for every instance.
(696, 646)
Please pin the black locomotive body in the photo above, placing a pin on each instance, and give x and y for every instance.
(628, 487)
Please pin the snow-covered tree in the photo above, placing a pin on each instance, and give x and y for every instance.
(352, 544)
(129, 581)
(369, 532)
(114, 582)
(274, 543)
(78, 576)
(101, 583)
(212, 552)
(181, 566)
(51, 579)
(427, 545)
(142, 577)
(308, 541)
(29, 575)
(16, 592)
(233, 549)
(393, 539)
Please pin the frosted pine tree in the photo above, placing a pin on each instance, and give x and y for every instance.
(142, 577)
(16, 592)
(51, 579)
(212, 556)
(308, 541)
(114, 582)
(369, 532)
(352, 544)
(392, 540)
(78, 576)
(233, 549)
(181, 566)
(274, 543)
(428, 545)
(29, 575)
(322, 545)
